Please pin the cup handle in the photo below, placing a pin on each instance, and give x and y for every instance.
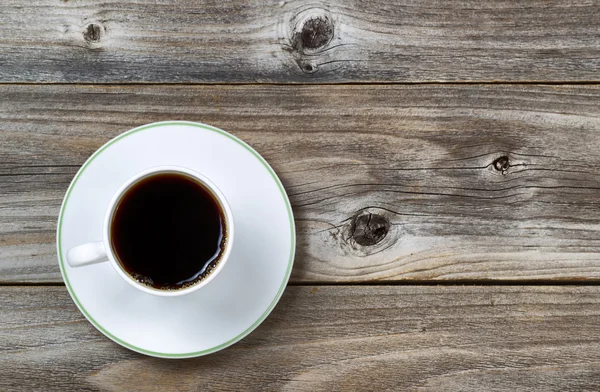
(86, 254)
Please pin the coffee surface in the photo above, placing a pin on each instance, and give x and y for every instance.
(168, 231)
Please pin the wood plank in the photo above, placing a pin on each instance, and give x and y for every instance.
(496, 338)
(298, 41)
(408, 183)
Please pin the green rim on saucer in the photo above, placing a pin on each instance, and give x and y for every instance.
(230, 341)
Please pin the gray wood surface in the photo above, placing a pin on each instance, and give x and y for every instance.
(329, 339)
(410, 183)
(398, 180)
(298, 41)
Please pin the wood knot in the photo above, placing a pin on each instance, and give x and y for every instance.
(501, 164)
(312, 31)
(312, 41)
(316, 32)
(369, 229)
(93, 33)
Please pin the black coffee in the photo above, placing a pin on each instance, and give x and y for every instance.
(168, 231)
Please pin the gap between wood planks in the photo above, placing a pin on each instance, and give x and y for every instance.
(386, 283)
(357, 83)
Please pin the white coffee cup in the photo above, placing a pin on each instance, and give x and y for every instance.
(99, 252)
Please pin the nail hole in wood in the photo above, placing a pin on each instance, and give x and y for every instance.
(309, 68)
(369, 229)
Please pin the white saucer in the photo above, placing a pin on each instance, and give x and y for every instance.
(239, 298)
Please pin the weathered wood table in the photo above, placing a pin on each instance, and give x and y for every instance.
(441, 158)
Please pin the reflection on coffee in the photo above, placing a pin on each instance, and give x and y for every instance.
(168, 231)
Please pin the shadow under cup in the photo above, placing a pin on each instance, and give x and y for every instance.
(169, 230)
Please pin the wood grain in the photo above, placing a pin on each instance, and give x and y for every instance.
(298, 41)
(388, 183)
(495, 338)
